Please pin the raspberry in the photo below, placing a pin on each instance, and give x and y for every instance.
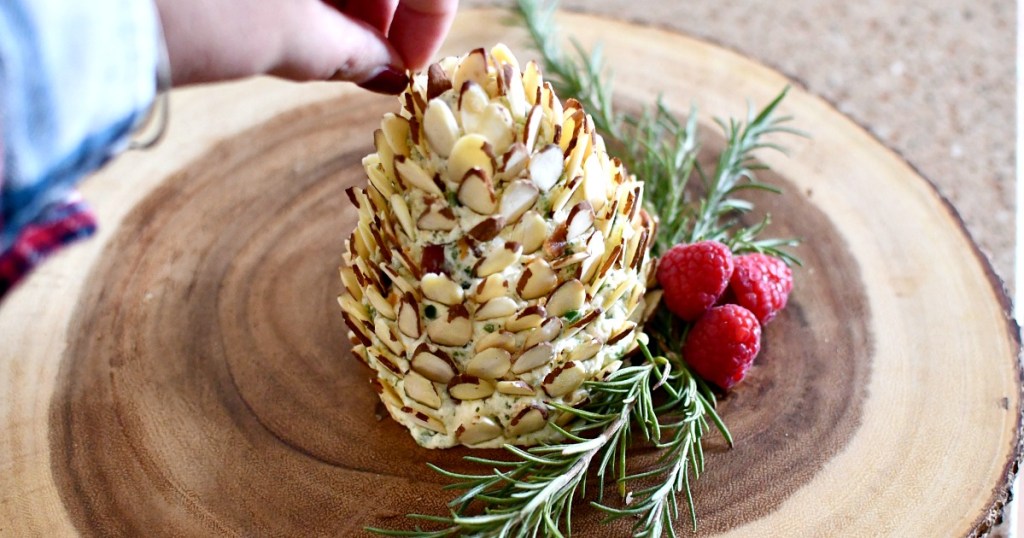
(722, 345)
(694, 276)
(761, 284)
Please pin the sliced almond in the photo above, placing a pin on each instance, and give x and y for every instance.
(495, 124)
(491, 363)
(548, 331)
(499, 307)
(487, 229)
(412, 175)
(472, 101)
(425, 421)
(441, 128)
(618, 292)
(382, 329)
(468, 387)
(401, 211)
(489, 288)
(469, 152)
(409, 316)
(535, 357)
(375, 172)
(422, 390)
(531, 231)
(555, 244)
(585, 350)
(608, 370)
(473, 67)
(596, 183)
(568, 260)
(384, 152)
(516, 387)
(387, 394)
(567, 298)
(595, 252)
(564, 379)
(359, 331)
(432, 364)
(387, 362)
(498, 339)
(514, 161)
(529, 318)
(624, 331)
(477, 192)
(546, 167)
(451, 328)
(561, 194)
(532, 126)
(396, 131)
(537, 280)
(432, 259)
(438, 81)
(478, 430)
(518, 197)
(438, 287)
(528, 420)
(651, 302)
(437, 219)
(379, 303)
(348, 278)
(498, 259)
(580, 220)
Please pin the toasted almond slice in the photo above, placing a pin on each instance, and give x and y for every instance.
(537, 280)
(528, 420)
(491, 363)
(498, 339)
(385, 361)
(441, 128)
(651, 302)
(432, 364)
(585, 350)
(487, 229)
(596, 183)
(567, 298)
(425, 421)
(563, 379)
(532, 81)
(561, 194)
(548, 331)
(383, 331)
(413, 175)
(451, 328)
(379, 303)
(580, 220)
(472, 67)
(354, 308)
(568, 260)
(546, 167)
(535, 357)
(438, 287)
(627, 329)
(472, 101)
(493, 286)
(516, 387)
(396, 132)
(358, 330)
(552, 106)
(608, 370)
(422, 390)
(409, 316)
(478, 430)
(498, 259)
(469, 152)
(499, 307)
(384, 152)
(529, 318)
(515, 93)
(532, 126)
(495, 124)
(618, 292)
(375, 172)
(437, 218)
(518, 197)
(514, 161)
(477, 192)
(468, 387)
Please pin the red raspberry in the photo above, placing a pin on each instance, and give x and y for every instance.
(761, 284)
(722, 344)
(694, 276)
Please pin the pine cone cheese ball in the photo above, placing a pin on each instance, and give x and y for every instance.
(500, 259)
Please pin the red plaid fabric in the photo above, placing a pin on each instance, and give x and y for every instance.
(71, 221)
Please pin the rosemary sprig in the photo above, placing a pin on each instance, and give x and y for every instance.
(533, 494)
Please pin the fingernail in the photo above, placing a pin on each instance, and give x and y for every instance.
(389, 80)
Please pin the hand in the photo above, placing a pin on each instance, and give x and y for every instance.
(369, 42)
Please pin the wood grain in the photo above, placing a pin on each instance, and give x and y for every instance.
(186, 373)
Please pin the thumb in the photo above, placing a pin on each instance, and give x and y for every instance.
(327, 45)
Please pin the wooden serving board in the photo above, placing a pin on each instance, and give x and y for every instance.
(186, 372)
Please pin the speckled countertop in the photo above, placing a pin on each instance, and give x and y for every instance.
(934, 81)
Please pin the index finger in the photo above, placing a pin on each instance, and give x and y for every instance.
(419, 27)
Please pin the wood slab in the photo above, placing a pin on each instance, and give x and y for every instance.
(186, 372)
